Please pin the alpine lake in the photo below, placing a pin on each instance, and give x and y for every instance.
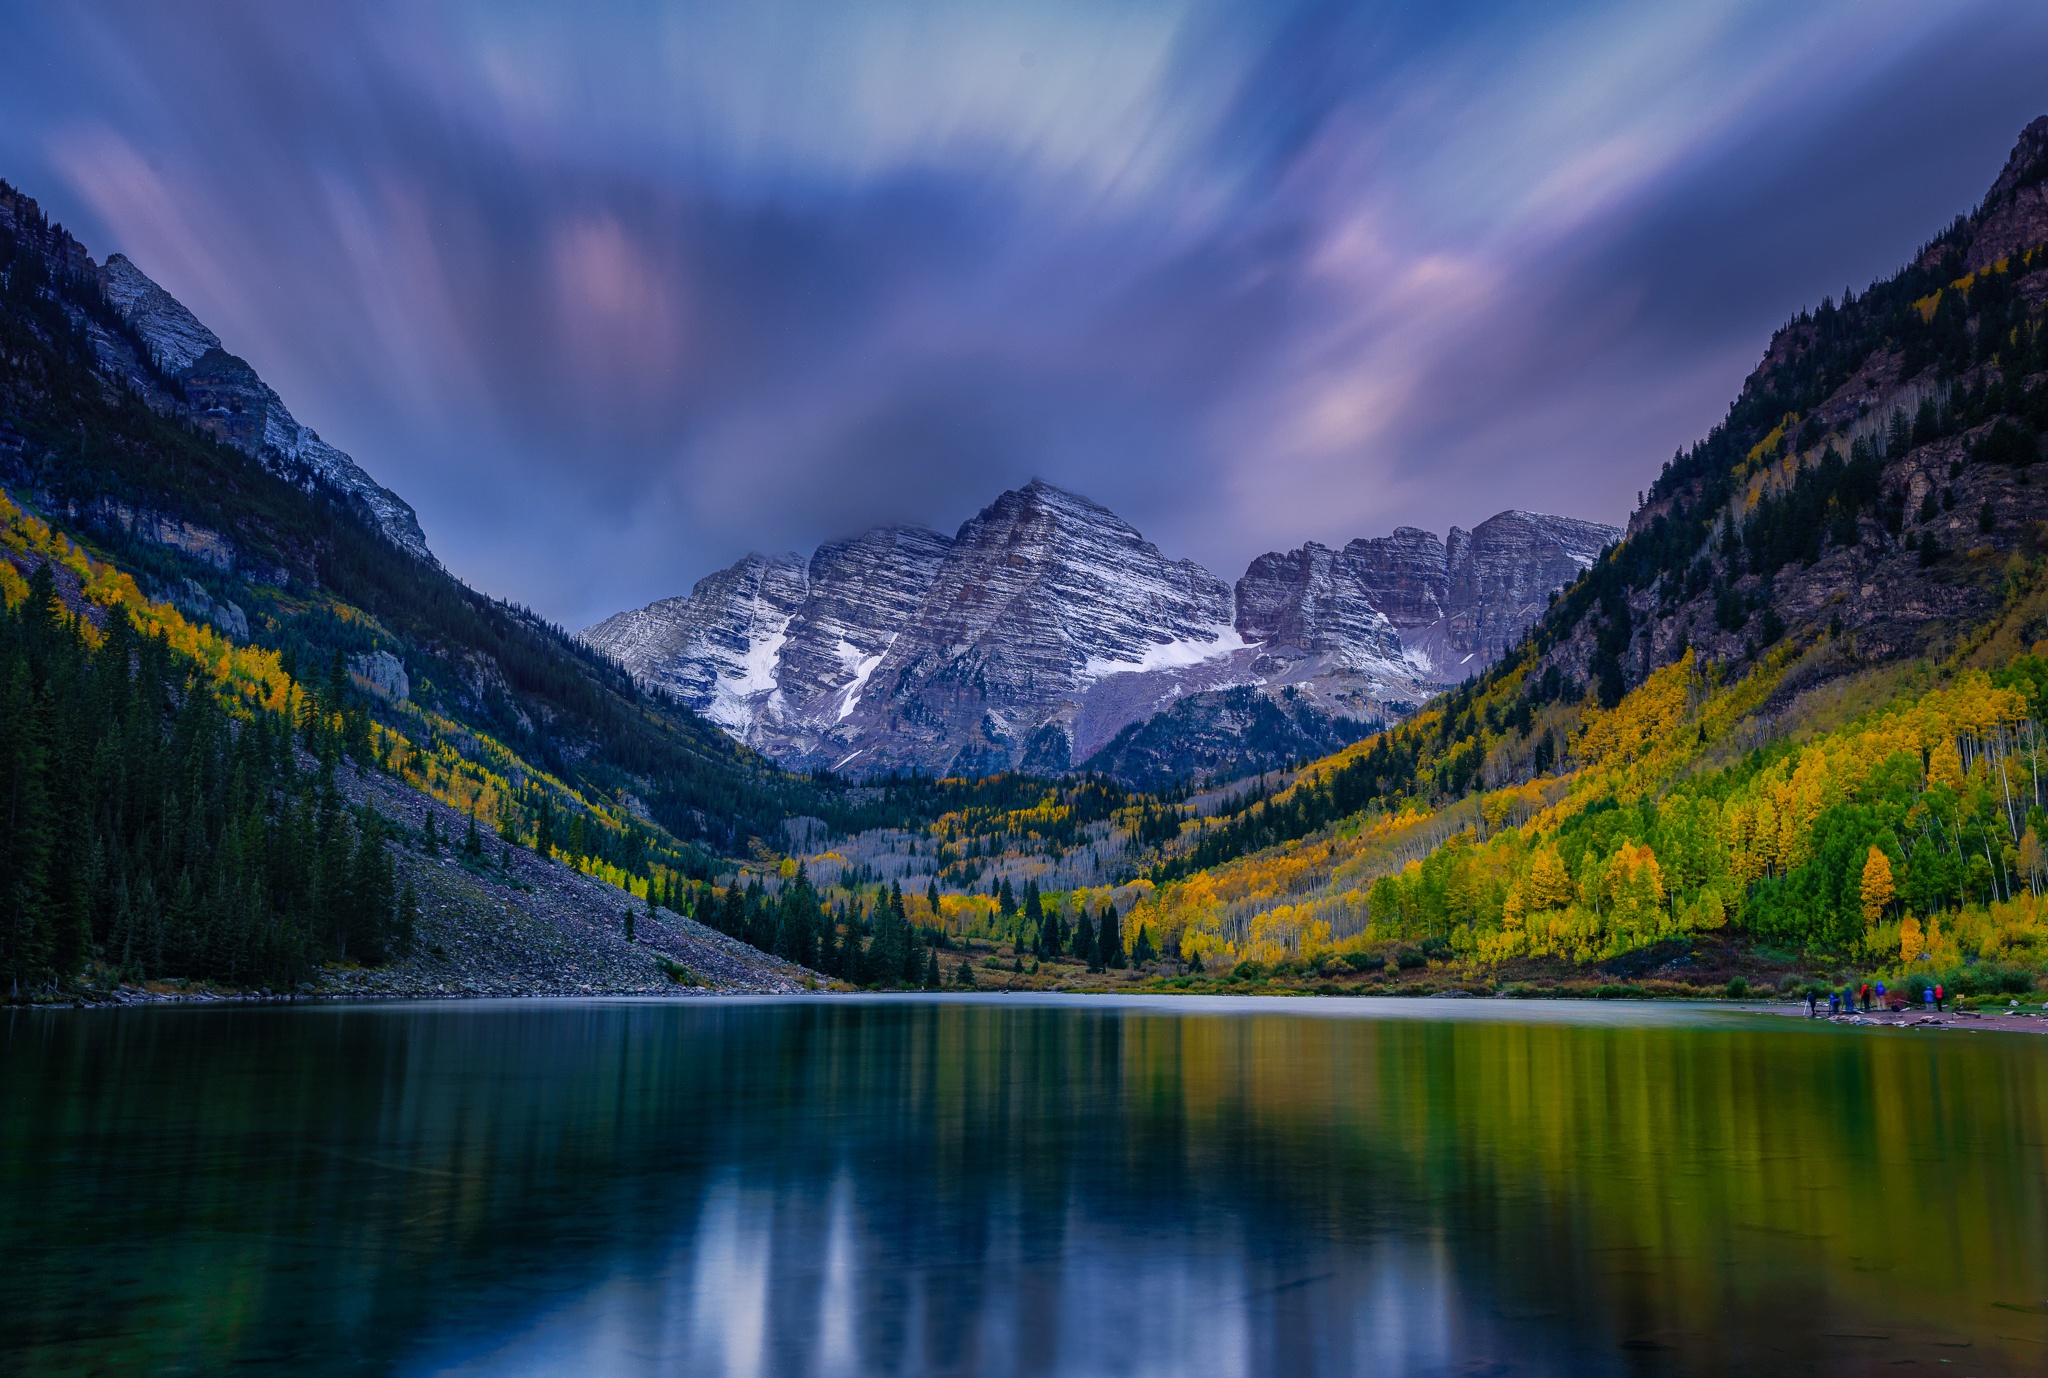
(1006, 1185)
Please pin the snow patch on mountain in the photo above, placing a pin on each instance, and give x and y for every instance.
(1223, 640)
(1047, 624)
(863, 668)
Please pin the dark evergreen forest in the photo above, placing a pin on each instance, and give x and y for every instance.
(142, 820)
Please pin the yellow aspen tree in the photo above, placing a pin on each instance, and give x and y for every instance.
(2031, 859)
(1910, 944)
(1512, 908)
(1635, 884)
(1550, 884)
(1877, 885)
(1945, 764)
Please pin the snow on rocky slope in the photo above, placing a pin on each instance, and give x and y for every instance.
(1047, 624)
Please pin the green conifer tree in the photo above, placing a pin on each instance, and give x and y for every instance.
(1109, 939)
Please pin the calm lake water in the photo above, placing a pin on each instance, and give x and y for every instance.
(993, 1186)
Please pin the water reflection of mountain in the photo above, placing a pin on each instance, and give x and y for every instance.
(835, 1187)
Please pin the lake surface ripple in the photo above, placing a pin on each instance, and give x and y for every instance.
(992, 1186)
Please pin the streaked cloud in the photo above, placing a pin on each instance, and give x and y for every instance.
(615, 293)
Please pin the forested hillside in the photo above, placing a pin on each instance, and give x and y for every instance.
(1792, 722)
(177, 820)
(1798, 708)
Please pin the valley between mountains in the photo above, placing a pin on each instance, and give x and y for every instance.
(1785, 729)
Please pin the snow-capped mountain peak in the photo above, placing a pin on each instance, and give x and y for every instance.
(1047, 624)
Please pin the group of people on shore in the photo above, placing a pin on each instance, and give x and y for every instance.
(1843, 1001)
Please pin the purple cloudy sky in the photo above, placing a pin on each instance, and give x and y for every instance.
(615, 293)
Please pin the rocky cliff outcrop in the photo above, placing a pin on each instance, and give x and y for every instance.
(2014, 215)
(224, 397)
(1871, 494)
(1046, 606)
(1442, 607)
(1048, 626)
(716, 650)
(860, 596)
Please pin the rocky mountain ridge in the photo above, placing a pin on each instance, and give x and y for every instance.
(220, 504)
(178, 366)
(1047, 626)
(1869, 494)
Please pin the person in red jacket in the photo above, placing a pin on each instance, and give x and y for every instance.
(1939, 995)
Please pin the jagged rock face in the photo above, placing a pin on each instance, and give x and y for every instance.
(229, 401)
(191, 597)
(2014, 216)
(716, 650)
(1311, 601)
(1044, 601)
(1501, 575)
(862, 593)
(1048, 626)
(174, 335)
(1405, 575)
(1386, 621)
(383, 674)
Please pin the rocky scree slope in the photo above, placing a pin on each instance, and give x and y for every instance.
(516, 925)
(1047, 631)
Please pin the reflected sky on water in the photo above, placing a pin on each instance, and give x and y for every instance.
(991, 1185)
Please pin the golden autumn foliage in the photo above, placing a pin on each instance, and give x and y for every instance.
(1641, 840)
(1911, 941)
(1876, 889)
(1549, 885)
(247, 673)
(474, 779)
